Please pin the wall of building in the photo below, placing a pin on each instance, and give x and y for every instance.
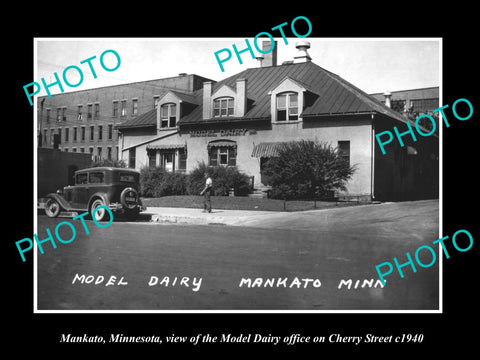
(410, 172)
(142, 93)
(55, 169)
(357, 130)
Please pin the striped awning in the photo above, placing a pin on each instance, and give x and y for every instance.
(222, 143)
(267, 149)
(166, 146)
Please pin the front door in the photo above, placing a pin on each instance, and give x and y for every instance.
(169, 161)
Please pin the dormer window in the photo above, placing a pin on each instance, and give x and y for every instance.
(287, 106)
(168, 116)
(223, 107)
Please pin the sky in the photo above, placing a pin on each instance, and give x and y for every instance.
(373, 65)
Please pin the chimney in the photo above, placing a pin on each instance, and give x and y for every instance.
(302, 54)
(269, 59)
(207, 97)
(388, 98)
(241, 98)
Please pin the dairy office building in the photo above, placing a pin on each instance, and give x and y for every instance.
(242, 120)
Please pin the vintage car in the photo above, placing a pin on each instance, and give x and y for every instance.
(116, 188)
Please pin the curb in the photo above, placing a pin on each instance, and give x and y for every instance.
(175, 219)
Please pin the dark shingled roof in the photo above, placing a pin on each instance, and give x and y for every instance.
(146, 119)
(330, 95)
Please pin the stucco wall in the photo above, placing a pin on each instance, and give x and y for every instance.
(357, 130)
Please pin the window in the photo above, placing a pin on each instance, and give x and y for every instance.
(100, 132)
(344, 150)
(99, 152)
(152, 159)
(89, 111)
(97, 111)
(45, 134)
(287, 107)
(131, 158)
(95, 177)
(81, 179)
(110, 132)
(134, 106)
(182, 159)
(168, 116)
(223, 107)
(82, 150)
(167, 160)
(222, 156)
(109, 153)
(59, 135)
(424, 105)
(48, 115)
(123, 109)
(115, 109)
(74, 134)
(83, 133)
(67, 133)
(59, 114)
(126, 177)
(90, 149)
(80, 113)
(92, 132)
(64, 116)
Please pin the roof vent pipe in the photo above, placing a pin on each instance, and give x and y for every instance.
(302, 54)
(388, 98)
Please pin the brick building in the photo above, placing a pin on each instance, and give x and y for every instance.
(85, 121)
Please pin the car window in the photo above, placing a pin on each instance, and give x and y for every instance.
(95, 177)
(81, 179)
(126, 177)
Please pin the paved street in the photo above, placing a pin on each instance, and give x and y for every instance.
(206, 263)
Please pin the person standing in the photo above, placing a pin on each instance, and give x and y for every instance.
(206, 192)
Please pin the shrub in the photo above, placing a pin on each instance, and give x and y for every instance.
(224, 178)
(158, 182)
(307, 169)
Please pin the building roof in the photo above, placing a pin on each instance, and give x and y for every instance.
(144, 120)
(329, 94)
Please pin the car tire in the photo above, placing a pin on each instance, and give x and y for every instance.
(123, 196)
(52, 208)
(101, 213)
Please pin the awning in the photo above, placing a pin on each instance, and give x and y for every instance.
(267, 149)
(166, 146)
(222, 143)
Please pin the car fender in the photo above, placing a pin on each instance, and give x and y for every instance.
(61, 200)
(101, 195)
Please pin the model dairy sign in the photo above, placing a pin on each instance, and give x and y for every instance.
(222, 132)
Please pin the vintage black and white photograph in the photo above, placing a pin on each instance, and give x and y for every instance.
(268, 174)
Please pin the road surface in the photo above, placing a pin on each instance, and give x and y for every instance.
(303, 257)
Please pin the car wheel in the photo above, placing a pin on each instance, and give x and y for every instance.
(52, 208)
(100, 213)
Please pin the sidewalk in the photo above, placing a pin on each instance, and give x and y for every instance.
(197, 217)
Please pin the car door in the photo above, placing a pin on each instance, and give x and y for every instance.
(80, 191)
